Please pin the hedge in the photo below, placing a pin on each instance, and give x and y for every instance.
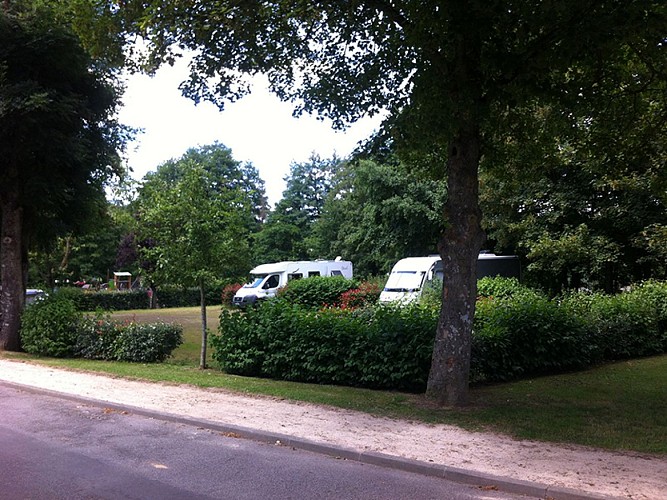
(115, 300)
(381, 347)
(317, 291)
(55, 327)
(516, 335)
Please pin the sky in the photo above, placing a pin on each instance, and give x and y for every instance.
(258, 129)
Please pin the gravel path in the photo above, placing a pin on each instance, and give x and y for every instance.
(612, 474)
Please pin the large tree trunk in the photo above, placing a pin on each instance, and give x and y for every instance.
(459, 248)
(11, 275)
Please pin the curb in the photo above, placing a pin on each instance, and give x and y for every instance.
(457, 475)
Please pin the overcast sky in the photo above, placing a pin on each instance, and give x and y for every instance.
(258, 129)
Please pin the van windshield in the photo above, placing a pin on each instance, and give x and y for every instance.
(256, 282)
(404, 281)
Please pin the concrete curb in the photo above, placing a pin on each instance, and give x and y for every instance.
(473, 478)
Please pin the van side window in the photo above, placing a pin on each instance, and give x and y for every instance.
(272, 282)
(313, 273)
(336, 272)
(294, 276)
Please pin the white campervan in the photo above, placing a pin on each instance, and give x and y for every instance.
(408, 276)
(267, 279)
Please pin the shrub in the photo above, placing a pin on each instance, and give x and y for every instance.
(124, 300)
(383, 347)
(366, 294)
(228, 293)
(522, 333)
(147, 342)
(317, 291)
(501, 287)
(101, 338)
(654, 293)
(97, 338)
(626, 325)
(494, 287)
(54, 327)
(526, 335)
(49, 327)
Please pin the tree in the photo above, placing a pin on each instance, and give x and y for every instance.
(286, 234)
(89, 254)
(225, 173)
(448, 72)
(197, 227)
(378, 213)
(58, 142)
(579, 191)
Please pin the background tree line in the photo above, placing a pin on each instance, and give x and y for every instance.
(571, 226)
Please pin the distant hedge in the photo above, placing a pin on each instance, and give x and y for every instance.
(519, 334)
(116, 300)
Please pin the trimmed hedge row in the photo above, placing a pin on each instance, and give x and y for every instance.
(55, 327)
(109, 300)
(519, 334)
(375, 347)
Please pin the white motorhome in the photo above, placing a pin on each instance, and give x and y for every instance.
(409, 276)
(267, 279)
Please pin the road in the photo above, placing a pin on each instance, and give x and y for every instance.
(52, 448)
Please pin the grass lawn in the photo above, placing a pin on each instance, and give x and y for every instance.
(188, 317)
(618, 406)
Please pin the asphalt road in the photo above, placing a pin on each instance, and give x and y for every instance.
(53, 448)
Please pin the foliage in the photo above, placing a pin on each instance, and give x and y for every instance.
(287, 232)
(383, 347)
(432, 293)
(49, 327)
(101, 338)
(225, 174)
(518, 333)
(580, 191)
(450, 74)
(654, 293)
(147, 343)
(196, 224)
(366, 294)
(168, 296)
(59, 141)
(89, 254)
(228, 292)
(316, 291)
(501, 288)
(55, 327)
(378, 212)
(527, 335)
(627, 325)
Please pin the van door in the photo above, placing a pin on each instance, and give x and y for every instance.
(271, 285)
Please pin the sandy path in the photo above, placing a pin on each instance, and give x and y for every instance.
(628, 475)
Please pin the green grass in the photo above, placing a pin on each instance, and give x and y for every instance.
(621, 406)
(189, 318)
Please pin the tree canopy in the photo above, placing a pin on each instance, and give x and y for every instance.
(379, 212)
(450, 74)
(197, 229)
(59, 142)
(288, 229)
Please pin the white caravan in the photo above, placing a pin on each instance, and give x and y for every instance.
(409, 276)
(269, 278)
